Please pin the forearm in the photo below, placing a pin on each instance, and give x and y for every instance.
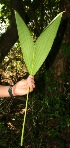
(4, 91)
(19, 89)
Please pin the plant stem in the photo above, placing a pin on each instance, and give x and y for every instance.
(23, 125)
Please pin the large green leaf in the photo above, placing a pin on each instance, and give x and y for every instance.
(26, 41)
(44, 43)
(36, 53)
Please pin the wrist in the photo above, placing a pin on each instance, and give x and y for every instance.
(10, 91)
(14, 90)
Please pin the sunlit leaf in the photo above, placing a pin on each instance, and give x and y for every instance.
(26, 42)
(44, 42)
(36, 53)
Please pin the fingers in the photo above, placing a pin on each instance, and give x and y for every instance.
(31, 82)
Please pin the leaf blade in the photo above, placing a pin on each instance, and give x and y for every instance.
(26, 42)
(44, 42)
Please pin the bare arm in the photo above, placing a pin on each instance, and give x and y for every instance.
(19, 89)
(4, 91)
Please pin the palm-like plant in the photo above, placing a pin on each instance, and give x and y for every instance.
(35, 53)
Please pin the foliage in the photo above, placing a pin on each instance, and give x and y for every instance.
(13, 68)
(5, 10)
(36, 53)
(66, 49)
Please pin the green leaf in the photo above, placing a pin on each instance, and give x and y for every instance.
(44, 43)
(36, 53)
(26, 42)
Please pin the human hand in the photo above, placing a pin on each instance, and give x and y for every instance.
(22, 87)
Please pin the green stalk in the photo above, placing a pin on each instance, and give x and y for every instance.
(23, 125)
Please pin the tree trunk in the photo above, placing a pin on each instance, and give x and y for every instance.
(9, 38)
(61, 60)
(56, 60)
(65, 6)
